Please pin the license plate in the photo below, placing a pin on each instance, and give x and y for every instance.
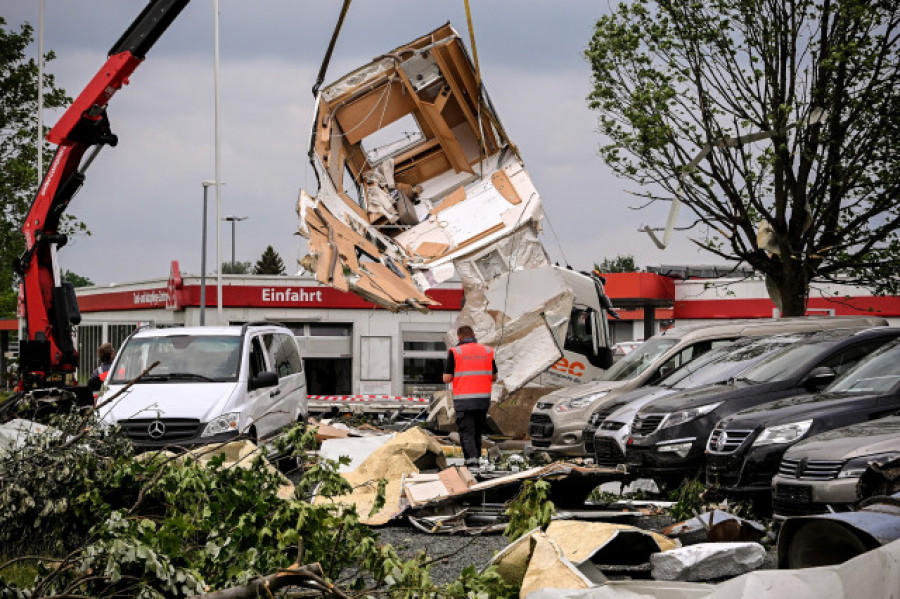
(798, 493)
(537, 430)
(633, 459)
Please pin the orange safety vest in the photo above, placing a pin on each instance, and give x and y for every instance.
(473, 371)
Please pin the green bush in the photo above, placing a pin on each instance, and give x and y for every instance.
(164, 527)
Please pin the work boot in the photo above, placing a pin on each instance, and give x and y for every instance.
(473, 465)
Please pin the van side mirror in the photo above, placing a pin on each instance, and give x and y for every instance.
(602, 359)
(819, 378)
(263, 380)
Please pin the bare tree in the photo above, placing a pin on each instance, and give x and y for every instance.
(796, 104)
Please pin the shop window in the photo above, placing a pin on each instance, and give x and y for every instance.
(424, 353)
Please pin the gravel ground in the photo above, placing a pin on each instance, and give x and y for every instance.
(452, 553)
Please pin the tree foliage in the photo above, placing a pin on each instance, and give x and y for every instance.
(76, 279)
(799, 104)
(98, 522)
(235, 268)
(621, 263)
(270, 263)
(18, 151)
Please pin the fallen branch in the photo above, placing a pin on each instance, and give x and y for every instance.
(309, 576)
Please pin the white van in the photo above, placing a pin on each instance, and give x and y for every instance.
(211, 384)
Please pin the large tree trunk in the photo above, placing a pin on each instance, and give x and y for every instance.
(789, 289)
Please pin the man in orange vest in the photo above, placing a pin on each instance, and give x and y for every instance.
(105, 354)
(471, 368)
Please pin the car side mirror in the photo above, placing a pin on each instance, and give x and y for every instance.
(263, 380)
(819, 378)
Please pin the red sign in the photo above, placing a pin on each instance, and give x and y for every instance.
(178, 296)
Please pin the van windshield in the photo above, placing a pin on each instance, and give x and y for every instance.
(182, 358)
(639, 360)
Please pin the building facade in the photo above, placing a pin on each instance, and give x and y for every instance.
(351, 347)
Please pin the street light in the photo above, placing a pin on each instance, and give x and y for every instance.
(232, 220)
(206, 185)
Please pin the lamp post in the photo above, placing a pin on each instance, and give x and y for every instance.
(206, 185)
(232, 220)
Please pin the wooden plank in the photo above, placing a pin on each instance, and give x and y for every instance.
(457, 196)
(505, 187)
(431, 249)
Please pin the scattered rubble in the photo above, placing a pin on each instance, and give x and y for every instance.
(707, 561)
(579, 551)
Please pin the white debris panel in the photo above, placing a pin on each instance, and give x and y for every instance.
(872, 575)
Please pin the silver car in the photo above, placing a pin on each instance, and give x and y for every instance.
(609, 426)
(819, 475)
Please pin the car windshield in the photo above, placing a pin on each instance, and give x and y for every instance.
(723, 363)
(639, 360)
(782, 365)
(879, 373)
(182, 358)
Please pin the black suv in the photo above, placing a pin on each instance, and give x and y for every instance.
(745, 449)
(669, 435)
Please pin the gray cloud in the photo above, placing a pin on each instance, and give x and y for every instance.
(142, 199)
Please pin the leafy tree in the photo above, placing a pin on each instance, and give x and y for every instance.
(235, 268)
(270, 263)
(621, 263)
(18, 154)
(797, 106)
(76, 279)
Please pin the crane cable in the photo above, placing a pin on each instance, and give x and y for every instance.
(482, 147)
(334, 36)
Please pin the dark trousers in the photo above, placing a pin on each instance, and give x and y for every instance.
(471, 425)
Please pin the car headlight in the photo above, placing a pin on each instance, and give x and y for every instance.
(576, 403)
(676, 418)
(855, 467)
(783, 433)
(226, 423)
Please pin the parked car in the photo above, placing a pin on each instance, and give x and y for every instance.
(211, 384)
(745, 449)
(557, 419)
(609, 426)
(669, 435)
(819, 475)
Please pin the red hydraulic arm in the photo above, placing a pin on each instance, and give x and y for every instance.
(47, 354)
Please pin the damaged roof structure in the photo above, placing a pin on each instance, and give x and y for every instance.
(419, 182)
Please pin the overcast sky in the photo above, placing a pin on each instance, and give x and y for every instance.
(142, 200)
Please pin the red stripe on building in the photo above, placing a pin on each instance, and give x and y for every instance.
(250, 296)
(885, 306)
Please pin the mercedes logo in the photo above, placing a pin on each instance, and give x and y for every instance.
(156, 429)
(720, 442)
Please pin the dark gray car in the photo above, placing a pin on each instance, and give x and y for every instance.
(669, 435)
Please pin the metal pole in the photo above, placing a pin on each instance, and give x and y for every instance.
(206, 185)
(218, 145)
(40, 96)
(232, 245)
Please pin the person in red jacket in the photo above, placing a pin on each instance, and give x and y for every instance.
(471, 368)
